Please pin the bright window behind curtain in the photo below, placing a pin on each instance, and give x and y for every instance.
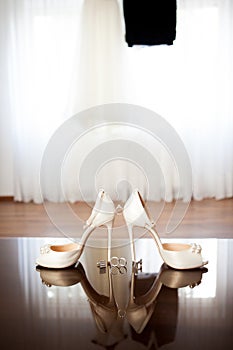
(64, 56)
(188, 84)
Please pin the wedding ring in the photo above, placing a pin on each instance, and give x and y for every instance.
(122, 262)
(114, 261)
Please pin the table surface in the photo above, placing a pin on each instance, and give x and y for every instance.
(115, 308)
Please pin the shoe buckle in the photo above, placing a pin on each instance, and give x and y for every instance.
(137, 266)
(45, 249)
(102, 266)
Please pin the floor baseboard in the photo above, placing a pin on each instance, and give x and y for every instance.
(6, 198)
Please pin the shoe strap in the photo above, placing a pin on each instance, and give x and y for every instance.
(151, 224)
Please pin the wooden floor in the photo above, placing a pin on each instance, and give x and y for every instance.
(205, 219)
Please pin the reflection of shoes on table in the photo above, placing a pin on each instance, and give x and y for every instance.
(59, 277)
(103, 308)
(142, 302)
(161, 327)
(179, 279)
(166, 277)
(104, 311)
(62, 256)
(176, 255)
(140, 309)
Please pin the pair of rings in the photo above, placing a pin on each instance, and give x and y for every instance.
(118, 265)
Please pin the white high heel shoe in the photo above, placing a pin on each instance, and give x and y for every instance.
(61, 256)
(176, 255)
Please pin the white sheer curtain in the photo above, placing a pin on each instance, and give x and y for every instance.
(67, 55)
(43, 41)
(190, 84)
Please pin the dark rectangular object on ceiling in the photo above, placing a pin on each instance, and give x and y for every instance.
(150, 22)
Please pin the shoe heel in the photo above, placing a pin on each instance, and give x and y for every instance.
(131, 242)
(83, 240)
(109, 246)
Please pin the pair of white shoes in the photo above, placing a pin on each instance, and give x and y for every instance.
(176, 255)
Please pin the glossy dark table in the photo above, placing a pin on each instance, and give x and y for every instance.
(88, 307)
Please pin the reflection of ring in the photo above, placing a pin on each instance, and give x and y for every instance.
(114, 270)
(122, 270)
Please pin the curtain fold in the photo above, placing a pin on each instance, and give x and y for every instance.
(65, 56)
